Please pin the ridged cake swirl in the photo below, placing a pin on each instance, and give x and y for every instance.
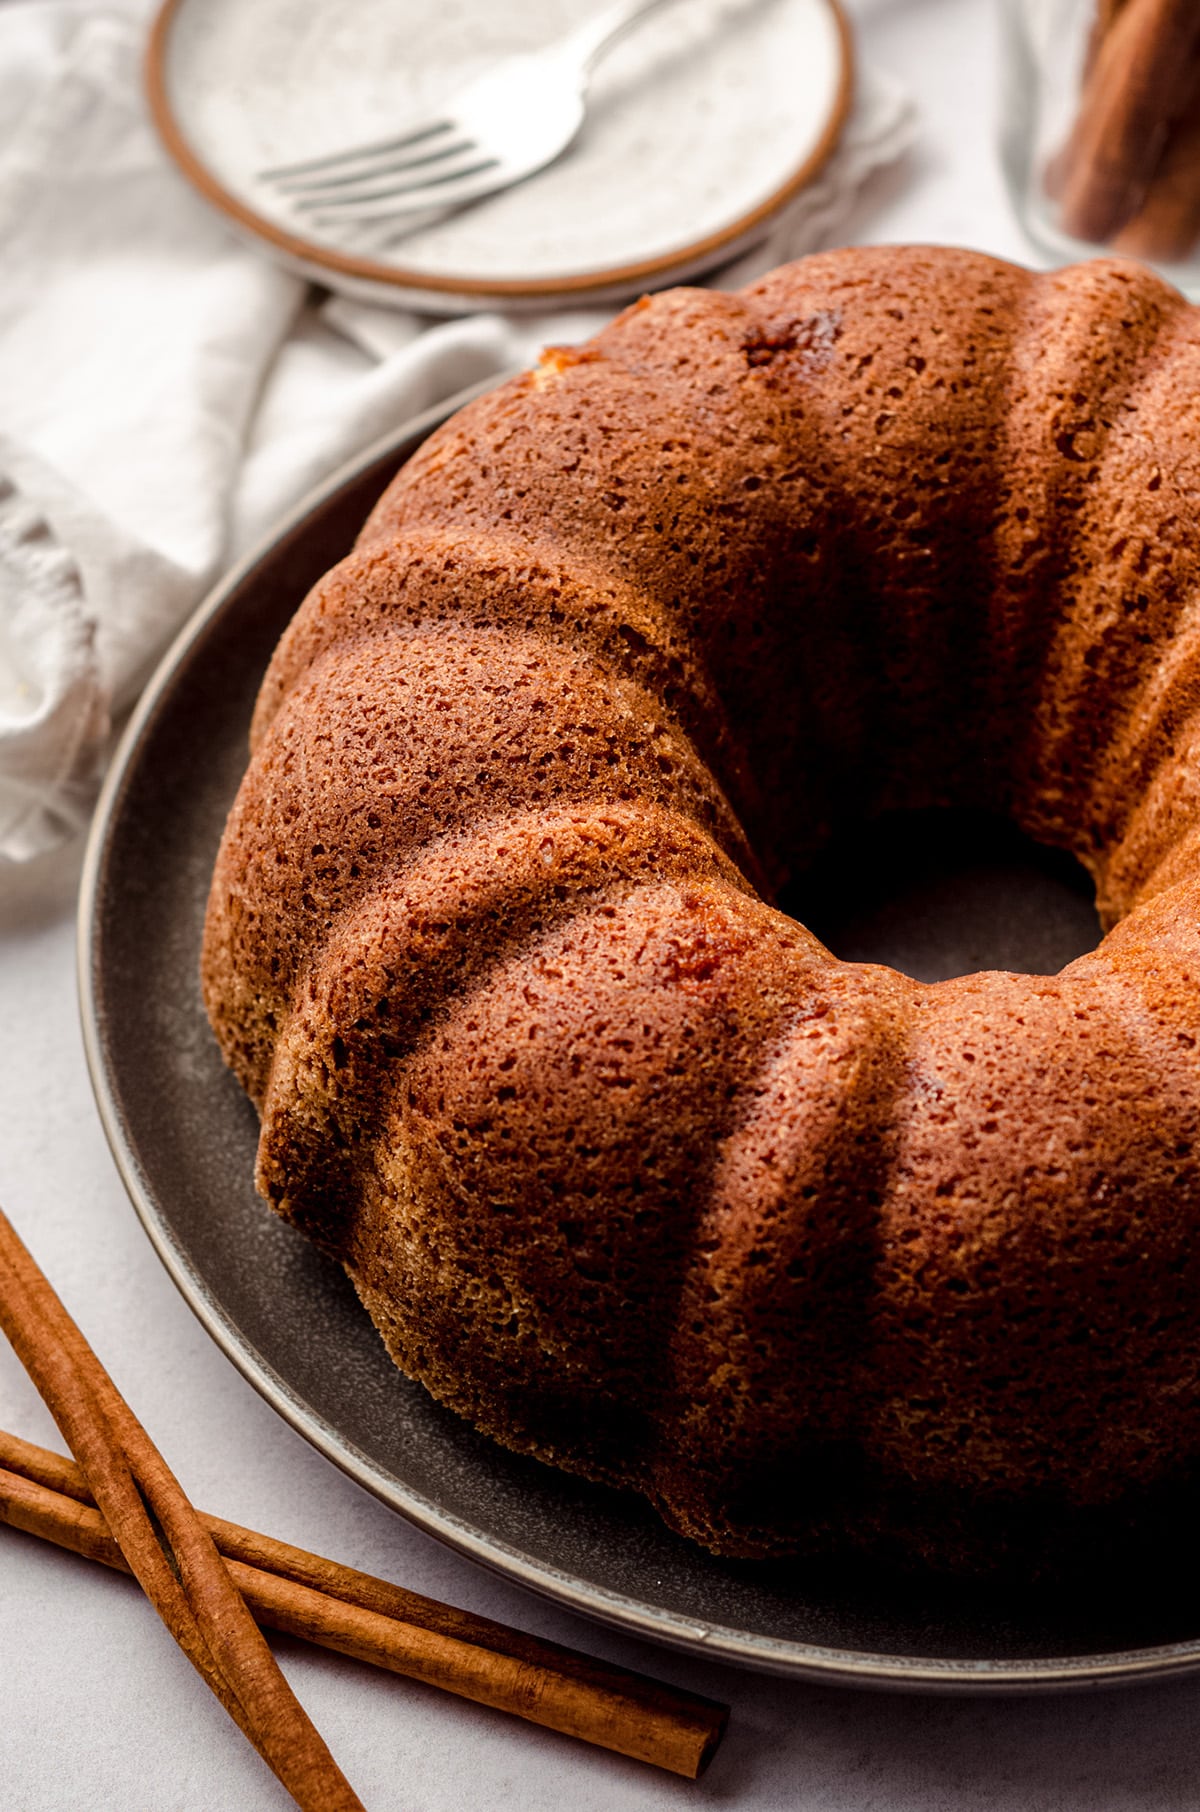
(626, 1166)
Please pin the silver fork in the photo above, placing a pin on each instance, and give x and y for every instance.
(512, 120)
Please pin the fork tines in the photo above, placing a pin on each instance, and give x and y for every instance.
(347, 182)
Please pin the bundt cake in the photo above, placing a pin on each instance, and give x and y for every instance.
(626, 1166)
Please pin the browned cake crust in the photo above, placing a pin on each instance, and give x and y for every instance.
(625, 1165)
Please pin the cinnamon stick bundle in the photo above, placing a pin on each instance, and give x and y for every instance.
(355, 1614)
(160, 1536)
(1141, 80)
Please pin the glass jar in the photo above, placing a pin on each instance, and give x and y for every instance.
(1100, 131)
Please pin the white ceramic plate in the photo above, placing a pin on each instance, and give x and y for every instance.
(701, 124)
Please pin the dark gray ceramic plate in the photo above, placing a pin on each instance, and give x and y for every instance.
(184, 1139)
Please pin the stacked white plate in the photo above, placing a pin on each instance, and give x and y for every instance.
(702, 124)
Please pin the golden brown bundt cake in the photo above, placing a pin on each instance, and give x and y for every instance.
(626, 1166)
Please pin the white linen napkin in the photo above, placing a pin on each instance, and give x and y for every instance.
(166, 391)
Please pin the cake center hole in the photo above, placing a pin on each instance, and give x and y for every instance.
(942, 893)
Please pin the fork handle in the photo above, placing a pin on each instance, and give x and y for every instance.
(588, 42)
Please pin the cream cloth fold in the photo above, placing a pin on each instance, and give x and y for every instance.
(166, 391)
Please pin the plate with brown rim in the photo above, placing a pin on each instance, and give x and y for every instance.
(702, 125)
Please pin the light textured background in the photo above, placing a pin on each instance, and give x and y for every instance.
(97, 1708)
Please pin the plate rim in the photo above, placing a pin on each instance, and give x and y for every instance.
(295, 249)
(799, 1660)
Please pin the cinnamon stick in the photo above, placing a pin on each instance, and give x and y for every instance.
(1102, 23)
(1139, 84)
(321, 1601)
(1167, 225)
(166, 1547)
